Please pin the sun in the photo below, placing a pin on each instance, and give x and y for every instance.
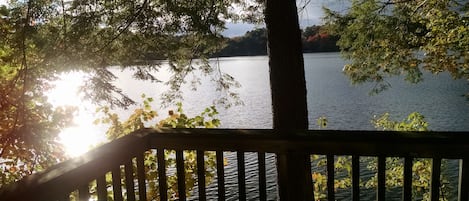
(83, 135)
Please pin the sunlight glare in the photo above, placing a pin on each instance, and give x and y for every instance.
(83, 135)
(77, 140)
(65, 91)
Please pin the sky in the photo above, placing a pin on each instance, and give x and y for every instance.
(310, 15)
(312, 12)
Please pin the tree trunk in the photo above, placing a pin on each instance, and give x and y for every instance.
(288, 87)
(287, 76)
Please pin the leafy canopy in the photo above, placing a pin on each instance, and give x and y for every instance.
(382, 38)
(39, 39)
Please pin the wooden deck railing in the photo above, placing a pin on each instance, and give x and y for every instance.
(126, 155)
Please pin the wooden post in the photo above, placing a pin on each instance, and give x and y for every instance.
(288, 87)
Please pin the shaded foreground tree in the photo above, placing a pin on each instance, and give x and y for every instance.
(41, 39)
(382, 38)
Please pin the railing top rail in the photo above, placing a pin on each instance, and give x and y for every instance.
(65, 177)
(365, 143)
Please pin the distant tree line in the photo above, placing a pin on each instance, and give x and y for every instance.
(317, 39)
(314, 39)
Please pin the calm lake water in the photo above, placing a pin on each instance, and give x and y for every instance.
(330, 94)
(439, 98)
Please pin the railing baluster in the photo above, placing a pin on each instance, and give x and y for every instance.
(129, 180)
(241, 176)
(84, 193)
(407, 188)
(435, 180)
(220, 175)
(117, 184)
(181, 175)
(381, 192)
(201, 175)
(142, 187)
(355, 178)
(330, 178)
(463, 180)
(262, 177)
(163, 186)
(101, 188)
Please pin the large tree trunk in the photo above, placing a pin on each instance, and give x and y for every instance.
(287, 77)
(288, 88)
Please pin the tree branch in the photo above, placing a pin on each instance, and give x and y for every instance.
(124, 28)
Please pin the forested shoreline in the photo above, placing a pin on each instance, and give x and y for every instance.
(254, 42)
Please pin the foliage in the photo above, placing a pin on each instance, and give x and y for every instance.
(343, 170)
(180, 120)
(383, 38)
(40, 39)
(29, 125)
(421, 168)
(322, 122)
(145, 116)
(317, 39)
(414, 122)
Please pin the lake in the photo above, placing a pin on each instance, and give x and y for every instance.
(439, 98)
